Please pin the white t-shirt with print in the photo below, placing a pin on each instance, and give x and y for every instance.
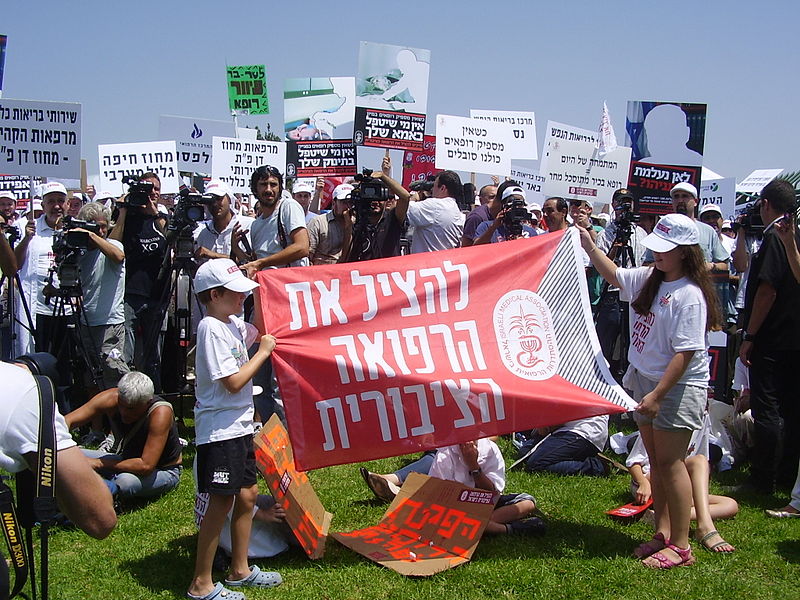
(676, 323)
(222, 351)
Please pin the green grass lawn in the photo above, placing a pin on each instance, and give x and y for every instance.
(584, 554)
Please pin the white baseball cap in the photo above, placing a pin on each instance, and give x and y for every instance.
(217, 187)
(683, 187)
(711, 208)
(302, 187)
(7, 194)
(222, 272)
(514, 190)
(671, 231)
(342, 191)
(104, 195)
(52, 187)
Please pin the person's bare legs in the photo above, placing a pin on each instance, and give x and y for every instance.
(659, 499)
(241, 525)
(207, 541)
(666, 464)
(703, 510)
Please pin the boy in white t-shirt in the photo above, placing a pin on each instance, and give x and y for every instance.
(223, 415)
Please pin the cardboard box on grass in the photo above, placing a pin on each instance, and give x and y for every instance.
(305, 514)
(431, 526)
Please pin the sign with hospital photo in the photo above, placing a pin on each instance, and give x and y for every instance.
(391, 96)
(574, 168)
(318, 125)
(473, 145)
(523, 145)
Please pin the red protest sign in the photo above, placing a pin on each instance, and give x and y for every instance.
(431, 526)
(418, 166)
(397, 355)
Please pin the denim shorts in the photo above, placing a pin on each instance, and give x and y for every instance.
(681, 408)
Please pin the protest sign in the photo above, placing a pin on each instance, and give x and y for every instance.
(40, 138)
(305, 515)
(135, 159)
(531, 181)
(667, 140)
(573, 168)
(233, 161)
(19, 185)
(394, 356)
(431, 526)
(721, 192)
(318, 117)
(193, 140)
(418, 166)
(755, 182)
(3, 41)
(247, 90)
(522, 145)
(391, 96)
(464, 144)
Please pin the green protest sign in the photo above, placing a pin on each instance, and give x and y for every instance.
(247, 90)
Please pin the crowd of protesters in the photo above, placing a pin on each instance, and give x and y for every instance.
(679, 277)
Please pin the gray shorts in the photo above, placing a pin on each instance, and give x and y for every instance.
(681, 408)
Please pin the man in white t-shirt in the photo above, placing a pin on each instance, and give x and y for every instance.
(213, 237)
(81, 493)
(437, 221)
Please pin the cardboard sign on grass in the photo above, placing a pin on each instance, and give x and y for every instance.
(432, 525)
(305, 514)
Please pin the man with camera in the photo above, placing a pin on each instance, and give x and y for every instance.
(371, 230)
(326, 231)
(279, 236)
(511, 220)
(213, 238)
(141, 229)
(771, 347)
(485, 212)
(35, 259)
(102, 276)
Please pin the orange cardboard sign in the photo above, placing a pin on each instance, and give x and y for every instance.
(305, 514)
(431, 526)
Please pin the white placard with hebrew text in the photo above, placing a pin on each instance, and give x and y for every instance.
(523, 145)
(464, 144)
(234, 160)
(135, 159)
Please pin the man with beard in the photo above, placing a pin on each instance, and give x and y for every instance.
(279, 234)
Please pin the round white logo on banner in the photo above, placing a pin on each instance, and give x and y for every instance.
(526, 340)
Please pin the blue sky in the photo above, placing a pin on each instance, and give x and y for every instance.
(128, 63)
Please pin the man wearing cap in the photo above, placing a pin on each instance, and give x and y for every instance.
(8, 206)
(326, 231)
(771, 347)
(303, 192)
(487, 211)
(75, 203)
(35, 258)
(711, 215)
(279, 235)
(611, 240)
(213, 237)
(495, 230)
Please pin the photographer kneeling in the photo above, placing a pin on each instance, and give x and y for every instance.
(102, 276)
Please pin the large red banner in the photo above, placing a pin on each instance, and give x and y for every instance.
(398, 355)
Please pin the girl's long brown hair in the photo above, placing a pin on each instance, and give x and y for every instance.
(694, 268)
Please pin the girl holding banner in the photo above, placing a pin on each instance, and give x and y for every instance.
(673, 306)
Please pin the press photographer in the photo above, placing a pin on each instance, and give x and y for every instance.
(511, 222)
(142, 230)
(102, 280)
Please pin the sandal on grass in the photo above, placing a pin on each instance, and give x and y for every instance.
(257, 578)
(720, 547)
(649, 547)
(659, 560)
(220, 592)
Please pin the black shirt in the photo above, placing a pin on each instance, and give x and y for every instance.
(781, 328)
(145, 247)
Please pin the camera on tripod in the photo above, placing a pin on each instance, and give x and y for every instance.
(190, 208)
(68, 245)
(626, 219)
(138, 191)
(368, 190)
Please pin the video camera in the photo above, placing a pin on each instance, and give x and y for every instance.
(515, 216)
(190, 208)
(368, 190)
(138, 191)
(68, 245)
(750, 220)
(422, 185)
(626, 219)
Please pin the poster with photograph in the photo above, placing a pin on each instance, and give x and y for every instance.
(667, 141)
(318, 117)
(391, 96)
